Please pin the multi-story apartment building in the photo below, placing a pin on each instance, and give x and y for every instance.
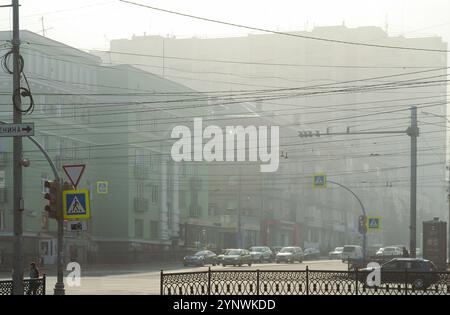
(334, 87)
(117, 121)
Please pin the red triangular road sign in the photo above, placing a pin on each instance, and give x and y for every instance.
(74, 172)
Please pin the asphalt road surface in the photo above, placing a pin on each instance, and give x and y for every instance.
(140, 280)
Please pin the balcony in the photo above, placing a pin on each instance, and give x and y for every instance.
(140, 204)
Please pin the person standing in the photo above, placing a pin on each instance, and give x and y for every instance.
(34, 276)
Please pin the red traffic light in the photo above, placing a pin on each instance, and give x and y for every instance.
(53, 207)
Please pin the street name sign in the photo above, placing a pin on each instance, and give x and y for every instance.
(76, 204)
(17, 130)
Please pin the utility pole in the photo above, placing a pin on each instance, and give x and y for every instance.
(239, 223)
(413, 133)
(18, 206)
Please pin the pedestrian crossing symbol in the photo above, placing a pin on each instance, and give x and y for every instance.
(76, 204)
(374, 223)
(320, 181)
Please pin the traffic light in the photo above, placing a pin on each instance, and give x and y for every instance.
(308, 133)
(54, 199)
(362, 226)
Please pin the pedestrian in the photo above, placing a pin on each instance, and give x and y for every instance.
(34, 276)
(405, 252)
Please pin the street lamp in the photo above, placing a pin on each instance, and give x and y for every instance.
(448, 194)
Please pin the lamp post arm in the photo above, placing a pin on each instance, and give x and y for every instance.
(350, 191)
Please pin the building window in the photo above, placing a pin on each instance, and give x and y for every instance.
(182, 198)
(2, 220)
(154, 230)
(143, 157)
(155, 193)
(140, 190)
(139, 228)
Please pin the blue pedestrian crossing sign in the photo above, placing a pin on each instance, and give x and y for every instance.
(374, 223)
(320, 180)
(102, 187)
(76, 204)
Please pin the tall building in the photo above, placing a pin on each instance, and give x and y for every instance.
(324, 86)
(117, 121)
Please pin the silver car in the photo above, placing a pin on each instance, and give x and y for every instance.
(336, 253)
(261, 254)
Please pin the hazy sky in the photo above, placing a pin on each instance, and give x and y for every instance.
(89, 24)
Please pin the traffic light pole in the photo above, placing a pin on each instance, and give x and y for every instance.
(363, 210)
(413, 132)
(59, 286)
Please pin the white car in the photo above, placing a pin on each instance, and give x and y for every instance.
(352, 252)
(390, 251)
(337, 253)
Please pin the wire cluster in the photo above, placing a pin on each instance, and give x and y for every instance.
(20, 91)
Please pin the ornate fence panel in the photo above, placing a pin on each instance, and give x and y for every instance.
(226, 282)
(30, 286)
(187, 283)
(302, 282)
(282, 282)
(331, 283)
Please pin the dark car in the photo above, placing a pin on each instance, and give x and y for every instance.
(311, 253)
(421, 273)
(261, 254)
(237, 257)
(289, 254)
(201, 258)
(219, 258)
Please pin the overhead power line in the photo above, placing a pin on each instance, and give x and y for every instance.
(284, 33)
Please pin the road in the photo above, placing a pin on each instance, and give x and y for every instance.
(140, 280)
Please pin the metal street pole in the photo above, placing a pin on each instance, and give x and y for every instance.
(448, 194)
(59, 286)
(363, 210)
(413, 133)
(239, 223)
(18, 206)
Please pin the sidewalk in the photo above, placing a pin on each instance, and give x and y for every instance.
(105, 269)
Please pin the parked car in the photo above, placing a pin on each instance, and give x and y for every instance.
(311, 253)
(404, 249)
(261, 254)
(201, 258)
(373, 249)
(421, 272)
(219, 258)
(276, 249)
(336, 253)
(237, 257)
(352, 252)
(390, 251)
(419, 253)
(289, 254)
